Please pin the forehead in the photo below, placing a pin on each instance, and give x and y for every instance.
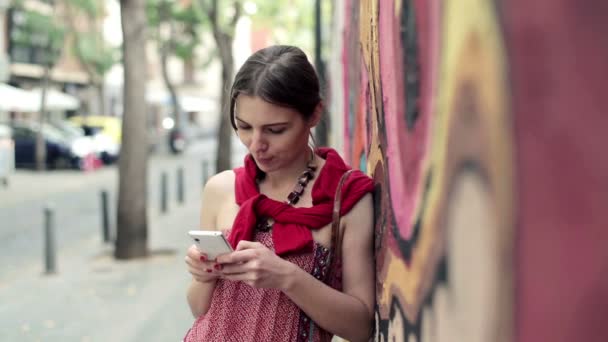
(254, 110)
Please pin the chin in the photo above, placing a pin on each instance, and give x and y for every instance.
(263, 169)
(266, 167)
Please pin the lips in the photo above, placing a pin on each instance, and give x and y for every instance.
(264, 160)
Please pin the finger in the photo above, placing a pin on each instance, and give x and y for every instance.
(194, 253)
(237, 257)
(220, 255)
(244, 244)
(229, 269)
(191, 262)
(199, 265)
(203, 273)
(245, 277)
(197, 261)
(205, 279)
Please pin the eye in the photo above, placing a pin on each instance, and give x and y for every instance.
(276, 130)
(243, 127)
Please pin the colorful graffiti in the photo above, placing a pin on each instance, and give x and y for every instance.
(426, 115)
(483, 124)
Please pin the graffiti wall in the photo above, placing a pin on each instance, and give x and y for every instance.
(467, 114)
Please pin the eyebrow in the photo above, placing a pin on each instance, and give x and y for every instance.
(268, 125)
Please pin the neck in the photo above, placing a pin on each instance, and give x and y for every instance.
(286, 177)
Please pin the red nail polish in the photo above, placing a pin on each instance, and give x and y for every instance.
(203, 258)
(209, 270)
(218, 267)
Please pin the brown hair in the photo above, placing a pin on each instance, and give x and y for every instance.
(281, 75)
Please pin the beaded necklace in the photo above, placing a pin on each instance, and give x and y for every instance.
(265, 224)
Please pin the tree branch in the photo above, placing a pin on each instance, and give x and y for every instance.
(90, 70)
(237, 13)
(211, 12)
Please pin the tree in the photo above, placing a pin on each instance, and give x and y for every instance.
(223, 23)
(294, 23)
(175, 28)
(44, 34)
(96, 57)
(290, 22)
(132, 227)
(322, 131)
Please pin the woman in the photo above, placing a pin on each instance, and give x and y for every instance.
(276, 285)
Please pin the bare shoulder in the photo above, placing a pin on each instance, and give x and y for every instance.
(217, 193)
(220, 184)
(362, 214)
(358, 252)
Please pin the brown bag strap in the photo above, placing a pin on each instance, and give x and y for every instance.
(336, 232)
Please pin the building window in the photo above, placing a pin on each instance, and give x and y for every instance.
(27, 43)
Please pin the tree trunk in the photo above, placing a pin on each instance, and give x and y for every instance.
(177, 109)
(323, 127)
(132, 227)
(40, 141)
(166, 46)
(224, 145)
(100, 88)
(189, 71)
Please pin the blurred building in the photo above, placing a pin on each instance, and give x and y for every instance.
(197, 81)
(3, 56)
(23, 58)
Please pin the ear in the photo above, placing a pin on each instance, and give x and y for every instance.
(316, 115)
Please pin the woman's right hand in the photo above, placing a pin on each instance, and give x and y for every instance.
(202, 270)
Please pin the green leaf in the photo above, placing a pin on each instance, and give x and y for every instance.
(39, 30)
(92, 8)
(89, 46)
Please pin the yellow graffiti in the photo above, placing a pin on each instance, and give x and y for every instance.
(472, 54)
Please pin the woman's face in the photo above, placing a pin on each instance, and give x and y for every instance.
(275, 136)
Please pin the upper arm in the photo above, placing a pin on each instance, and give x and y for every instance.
(215, 194)
(358, 270)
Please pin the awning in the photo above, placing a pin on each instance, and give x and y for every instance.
(197, 104)
(15, 99)
(28, 101)
(188, 103)
(55, 100)
(57, 74)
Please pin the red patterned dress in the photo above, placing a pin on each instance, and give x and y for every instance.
(240, 312)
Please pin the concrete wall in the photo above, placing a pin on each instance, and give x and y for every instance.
(484, 126)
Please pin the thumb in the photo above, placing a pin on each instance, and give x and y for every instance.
(244, 244)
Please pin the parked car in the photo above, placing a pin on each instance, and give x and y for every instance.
(61, 151)
(112, 127)
(104, 146)
(93, 124)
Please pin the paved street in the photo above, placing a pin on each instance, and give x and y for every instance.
(93, 297)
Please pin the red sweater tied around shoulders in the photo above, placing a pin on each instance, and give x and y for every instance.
(291, 231)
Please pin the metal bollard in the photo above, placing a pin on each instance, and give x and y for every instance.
(163, 192)
(49, 241)
(105, 217)
(205, 171)
(180, 184)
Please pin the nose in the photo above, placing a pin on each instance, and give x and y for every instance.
(258, 142)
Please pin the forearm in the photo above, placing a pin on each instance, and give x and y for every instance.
(334, 311)
(199, 296)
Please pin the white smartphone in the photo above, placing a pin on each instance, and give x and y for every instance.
(210, 242)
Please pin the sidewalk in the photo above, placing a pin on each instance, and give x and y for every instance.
(95, 298)
(25, 185)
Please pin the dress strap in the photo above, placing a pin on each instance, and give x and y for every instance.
(336, 231)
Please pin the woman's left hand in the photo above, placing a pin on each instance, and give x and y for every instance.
(255, 265)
